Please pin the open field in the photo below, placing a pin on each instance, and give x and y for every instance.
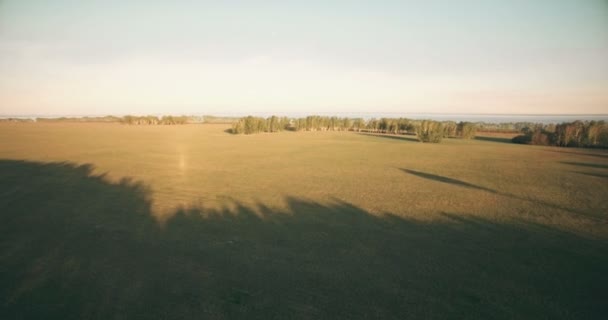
(113, 221)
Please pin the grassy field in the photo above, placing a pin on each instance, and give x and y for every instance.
(109, 221)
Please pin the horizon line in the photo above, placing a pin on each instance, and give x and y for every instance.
(307, 113)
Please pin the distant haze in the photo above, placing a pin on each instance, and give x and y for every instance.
(236, 57)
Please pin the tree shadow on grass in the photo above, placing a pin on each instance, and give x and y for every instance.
(585, 164)
(75, 246)
(399, 137)
(447, 180)
(596, 216)
(592, 174)
(582, 153)
(494, 139)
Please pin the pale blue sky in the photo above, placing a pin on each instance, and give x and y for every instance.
(110, 57)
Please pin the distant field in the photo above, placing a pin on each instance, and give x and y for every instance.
(178, 221)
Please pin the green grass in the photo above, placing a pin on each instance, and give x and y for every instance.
(107, 221)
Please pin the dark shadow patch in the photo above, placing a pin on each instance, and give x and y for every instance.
(494, 139)
(400, 137)
(585, 164)
(592, 174)
(460, 183)
(587, 154)
(75, 246)
(443, 179)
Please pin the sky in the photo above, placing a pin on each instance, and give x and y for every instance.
(62, 57)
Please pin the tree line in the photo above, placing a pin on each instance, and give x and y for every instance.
(588, 134)
(154, 120)
(425, 130)
(80, 119)
(567, 134)
(578, 133)
(172, 120)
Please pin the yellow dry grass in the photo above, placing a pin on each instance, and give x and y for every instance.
(203, 166)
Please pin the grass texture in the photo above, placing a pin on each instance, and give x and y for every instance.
(106, 221)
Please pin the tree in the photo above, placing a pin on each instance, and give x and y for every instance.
(273, 124)
(250, 125)
(347, 123)
(450, 129)
(238, 127)
(358, 124)
(430, 131)
(373, 125)
(466, 130)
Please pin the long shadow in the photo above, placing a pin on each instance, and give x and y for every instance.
(596, 216)
(443, 179)
(585, 164)
(597, 155)
(400, 137)
(75, 246)
(494, 139)
(592, 174)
